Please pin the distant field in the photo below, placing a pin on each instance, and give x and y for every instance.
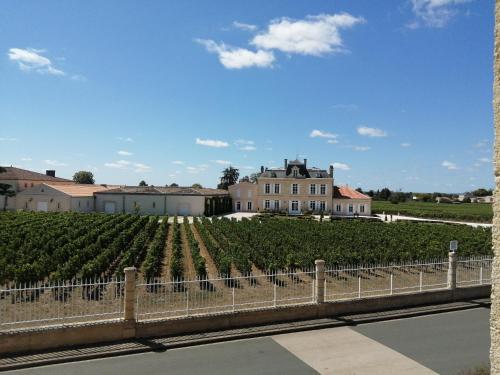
(476, 212)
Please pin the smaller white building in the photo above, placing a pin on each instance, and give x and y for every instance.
(350, 202)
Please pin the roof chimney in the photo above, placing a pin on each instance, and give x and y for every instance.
(261, 169)
(331, 171)
(50, 172)
(305, 163)
(286, 163)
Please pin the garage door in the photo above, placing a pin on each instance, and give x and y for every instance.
(42, 206)
(184, 209)
(110, 207)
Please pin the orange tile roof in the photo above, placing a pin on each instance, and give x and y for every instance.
(345, 192)
(79, 190)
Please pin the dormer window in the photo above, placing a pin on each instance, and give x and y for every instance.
(295, 172)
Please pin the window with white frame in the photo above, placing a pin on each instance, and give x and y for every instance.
(267, 204)
(238, 206)
(338, 208)
(322, 205)
(276, 188)
(295, 189)
(362, 208)
(322, 189)
(276, 205)
(295, 205)
(351, 208)
(249, 206)
(312, 205)
(295, 172)
(312, 189)
(267, 189)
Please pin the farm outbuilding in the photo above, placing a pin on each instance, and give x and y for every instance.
(58, 198)
(152, 200)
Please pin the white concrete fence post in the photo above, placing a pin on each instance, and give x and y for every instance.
(452, 270)
(129, 300)
(320, 281)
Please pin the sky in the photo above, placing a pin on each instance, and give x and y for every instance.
(394, 93)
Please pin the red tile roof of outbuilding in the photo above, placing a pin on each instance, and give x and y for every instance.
(345, 192)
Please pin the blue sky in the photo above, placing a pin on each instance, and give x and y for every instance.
(394, 93)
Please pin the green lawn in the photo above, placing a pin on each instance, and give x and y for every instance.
(476, 212)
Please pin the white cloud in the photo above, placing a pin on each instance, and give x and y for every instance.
(223, 162)
(314, 35)
(248, 148)
(434, 13)
(8, 139)
(361, 148)
(238, 58)
(114, 165)
(346, 107)
(341, 166)
(125, 153)
(243, 142)
(178, 162)
(211, 143)
(371, 132)
(123, 162)
(244, 26)
(322, 134)
(125, 139)
(140, 167)
(449, 165)
(30, 59)
(484, 160)
(55, 163)
(332, 141)
(405, 144)
(26, 159)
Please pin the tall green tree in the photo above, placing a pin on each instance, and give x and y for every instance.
(197, 186)
(143, 183)
(84, 177)
(229, 177)
(7, 192)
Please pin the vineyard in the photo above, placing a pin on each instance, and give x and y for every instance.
(63, 246)
(475, 212)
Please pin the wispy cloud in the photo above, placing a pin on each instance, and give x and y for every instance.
(244, 26)
(484, 160)
(8, 139)
(32, 60)
(211, 143)
(248, 148)
(238, 58)
(449, 165)
(341, 166)
(371, 132)
(26, 159)
(434, 13)
(322, 134)
(315, 35)
(125, 153)
(405, 144)
(346, 107)
(140, 167)
(125, 139)
(178, 162)
(222, 162)
(240, 142)
(332, 141)
(361, 148)
(114, 165)
(55, 163)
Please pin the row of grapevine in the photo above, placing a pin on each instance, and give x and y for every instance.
(97, 266)
(221, 259)
(177, 258)
(198, 261)
(152, 265)
(134, 255)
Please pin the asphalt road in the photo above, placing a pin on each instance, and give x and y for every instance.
(442, 343)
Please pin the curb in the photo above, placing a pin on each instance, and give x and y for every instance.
(161, 344)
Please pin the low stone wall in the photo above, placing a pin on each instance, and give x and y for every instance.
(108, 331)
